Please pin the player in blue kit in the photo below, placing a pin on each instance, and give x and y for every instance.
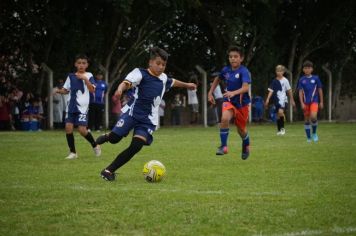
(78, 85)
(310, 97)
(236, 100)
(140, 114)
(278, 90)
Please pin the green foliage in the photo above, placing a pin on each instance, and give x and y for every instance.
(286, 187)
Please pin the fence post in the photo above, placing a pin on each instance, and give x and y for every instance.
(290, 75)
(328, 72)
(49, 95)
(204, 94)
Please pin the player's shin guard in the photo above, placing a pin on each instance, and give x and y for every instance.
(89, 137)
(127, 154)
(70, 141)
(307, 129)
(314, 126)
(224, 134)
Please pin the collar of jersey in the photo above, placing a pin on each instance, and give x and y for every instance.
(151, 73)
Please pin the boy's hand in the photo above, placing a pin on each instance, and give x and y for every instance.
(321, 105)
(191, 86)
(211, 99)
(229, 94)
(302, 105)
(293, 104)
(81, 76)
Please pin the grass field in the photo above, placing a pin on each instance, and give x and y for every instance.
(286, 187)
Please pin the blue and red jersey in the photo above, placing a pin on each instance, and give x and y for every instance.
(234, 80)
(310, 86)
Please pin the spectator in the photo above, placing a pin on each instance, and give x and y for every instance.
(59, 106)
(97, 103)
(176, 105)
(116, 109)
(257, 108)
(5, 113)
(193, 101)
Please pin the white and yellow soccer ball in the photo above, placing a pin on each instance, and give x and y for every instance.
(154, 171)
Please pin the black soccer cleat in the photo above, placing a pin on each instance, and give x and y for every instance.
(107, 175)
(245, 152)
(102, 139)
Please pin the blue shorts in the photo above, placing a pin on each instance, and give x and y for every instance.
(126, 123)
(77, 119)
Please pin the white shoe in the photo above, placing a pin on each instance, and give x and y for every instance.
(72, 156)
(97, 150)
(279, 133)
(283, 131)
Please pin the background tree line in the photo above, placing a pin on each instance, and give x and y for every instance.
(117, 34)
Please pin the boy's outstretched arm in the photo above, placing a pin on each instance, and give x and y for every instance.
(124, 85)
(181, 84)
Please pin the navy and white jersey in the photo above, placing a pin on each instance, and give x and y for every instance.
(78, 99)
(148, 91)
(279, 89)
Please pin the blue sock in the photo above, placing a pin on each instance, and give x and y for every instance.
(307, 129)
(246, 140)
(224, 133)
(314, 126)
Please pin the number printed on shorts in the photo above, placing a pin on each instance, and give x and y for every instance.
(82, 118)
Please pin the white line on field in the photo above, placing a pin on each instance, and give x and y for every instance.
(306, 232)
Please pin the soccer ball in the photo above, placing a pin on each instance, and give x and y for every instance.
(154, 171)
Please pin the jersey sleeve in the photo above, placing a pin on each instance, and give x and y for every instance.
(299, 86)
(271, 86)
(246, 76)
(169, 83)
(287, 84)
(318, 82)
(134, 77)
(67, 84)
(92, 80)
(222, 73)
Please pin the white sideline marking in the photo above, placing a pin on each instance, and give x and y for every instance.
(335, 230)
(149, 189)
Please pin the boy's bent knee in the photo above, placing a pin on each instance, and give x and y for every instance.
(114, 138)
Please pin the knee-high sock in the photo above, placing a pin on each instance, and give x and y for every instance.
(246, 140)
(307, 129)
(90, 139)
(70, 142)
(281, 120)
(314, 126)
(127, 154)
(224, 134)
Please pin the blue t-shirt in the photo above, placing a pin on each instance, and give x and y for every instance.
(148, 91)
(98, 97)
(310, 86)
(78, 99)
(234, 80)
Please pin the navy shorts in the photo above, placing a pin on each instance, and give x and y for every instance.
(79, 119)
(126, 123)
(279, 106)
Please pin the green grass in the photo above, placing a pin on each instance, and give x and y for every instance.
(286, 187)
